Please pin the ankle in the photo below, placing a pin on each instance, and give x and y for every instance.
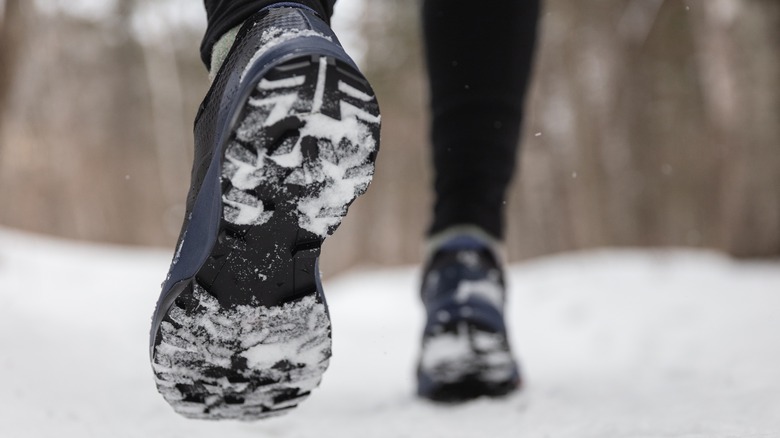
(464, 237)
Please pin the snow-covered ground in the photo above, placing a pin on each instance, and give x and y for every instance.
(614, 344)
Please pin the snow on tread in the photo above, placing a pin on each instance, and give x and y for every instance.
(244, 363)
(304, 130)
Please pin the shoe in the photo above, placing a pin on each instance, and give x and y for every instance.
(285, 140)
(465, 350)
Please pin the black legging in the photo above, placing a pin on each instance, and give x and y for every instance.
(479, 56)
(224, 15)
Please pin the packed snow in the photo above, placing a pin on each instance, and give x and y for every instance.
(211, 336)
(341, 171)
(613, 344)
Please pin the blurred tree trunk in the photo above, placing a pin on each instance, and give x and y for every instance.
(653, 123)
(11, 36)
(739, 60)
(649, 123)
(90, 153)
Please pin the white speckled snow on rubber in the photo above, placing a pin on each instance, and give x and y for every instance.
(328, 145)
(243, 363)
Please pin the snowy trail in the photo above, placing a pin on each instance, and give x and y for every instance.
(614, 344)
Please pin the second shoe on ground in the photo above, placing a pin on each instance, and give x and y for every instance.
(465, 350)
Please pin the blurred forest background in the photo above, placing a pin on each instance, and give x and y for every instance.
(649, 123)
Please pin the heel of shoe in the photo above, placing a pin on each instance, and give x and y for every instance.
(244, 363)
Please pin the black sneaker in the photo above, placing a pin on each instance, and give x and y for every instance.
(285, 140)
(465, 350)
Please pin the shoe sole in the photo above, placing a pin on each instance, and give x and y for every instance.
(249, 335)
(464, 363)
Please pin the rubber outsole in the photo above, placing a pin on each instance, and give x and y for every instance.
(463, 362)
(467, 389)
(249, 335)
